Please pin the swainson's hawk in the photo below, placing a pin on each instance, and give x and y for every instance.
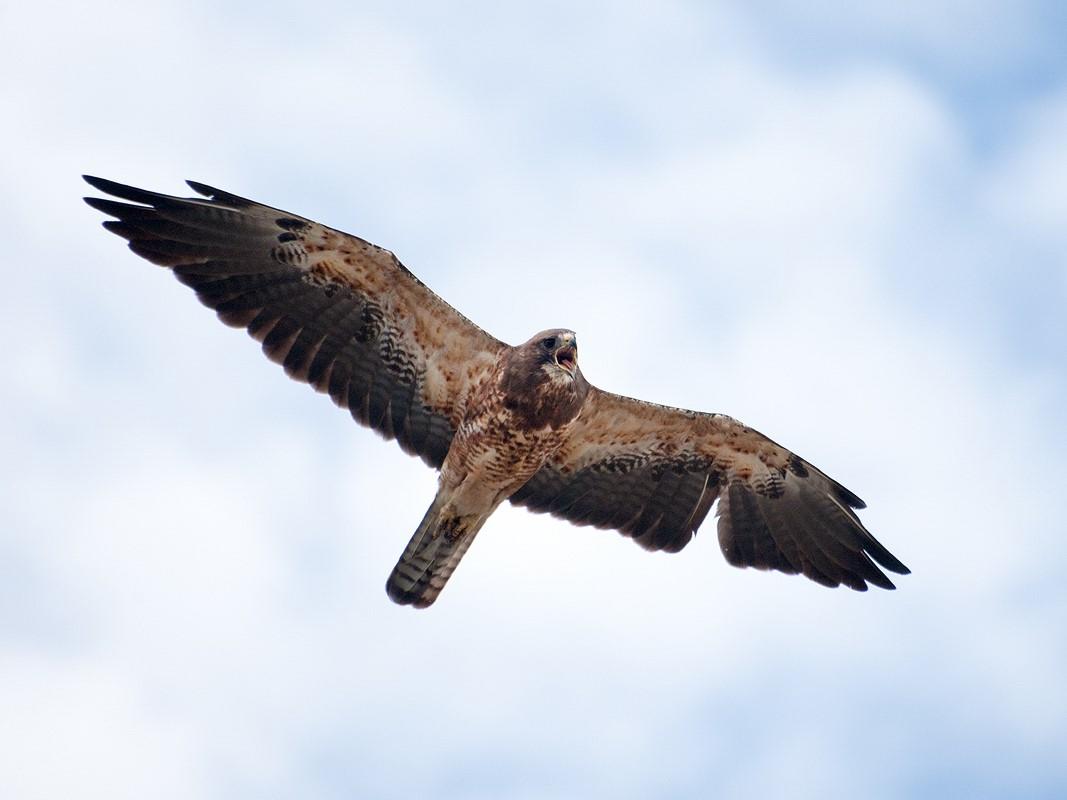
(500, 422)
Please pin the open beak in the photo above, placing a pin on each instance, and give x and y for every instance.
(567, 357)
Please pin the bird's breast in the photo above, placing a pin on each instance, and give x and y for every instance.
(500, 447)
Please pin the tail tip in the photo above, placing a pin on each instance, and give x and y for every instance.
(407, 595)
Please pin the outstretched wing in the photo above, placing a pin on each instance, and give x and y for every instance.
(335, 311)
(653, 472)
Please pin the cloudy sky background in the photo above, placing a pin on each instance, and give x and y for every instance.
(843, 226)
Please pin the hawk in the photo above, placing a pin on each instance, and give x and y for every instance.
(500, 422)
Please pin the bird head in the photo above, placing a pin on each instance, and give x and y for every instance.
(557, 348)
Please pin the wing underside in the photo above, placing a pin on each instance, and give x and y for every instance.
(335, 311)
(653, 472)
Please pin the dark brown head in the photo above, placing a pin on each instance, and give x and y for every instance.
(557, 352)
(542, 377)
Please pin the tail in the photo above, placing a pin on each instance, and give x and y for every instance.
(432, 555)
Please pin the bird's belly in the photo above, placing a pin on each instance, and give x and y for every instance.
(485, 469)
(513, 460)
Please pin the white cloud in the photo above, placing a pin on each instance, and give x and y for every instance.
(1029, 187)
(84, 728)
(968, 40)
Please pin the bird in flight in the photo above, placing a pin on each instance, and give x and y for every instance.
(500, 422)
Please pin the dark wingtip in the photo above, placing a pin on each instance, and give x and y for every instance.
(104, 185)
(109, 207)
(126, 192)
(845, 496)
(203, 188)
(120, 228)
(882, 582)
(109, 187)
(885, 559)
(220, 196)
(95, 182)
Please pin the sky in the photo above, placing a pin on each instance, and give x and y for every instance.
(843, 226)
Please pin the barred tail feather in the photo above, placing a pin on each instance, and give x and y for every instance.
(432, 555)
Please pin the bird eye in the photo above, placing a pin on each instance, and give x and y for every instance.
(549, 343)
